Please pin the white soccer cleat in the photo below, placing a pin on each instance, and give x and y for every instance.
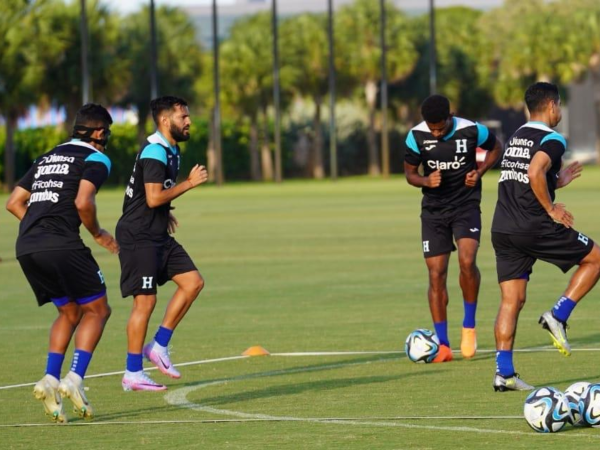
(140, 381)
(512, 383)
(159, 356)
(71, 387)
(558, 332)
(46, 391)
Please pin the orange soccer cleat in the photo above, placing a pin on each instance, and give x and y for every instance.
(468, 342)
(444, 354)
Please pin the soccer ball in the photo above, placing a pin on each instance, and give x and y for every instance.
(422, 346)
(589, 406)
(573, 394)
(547, 410)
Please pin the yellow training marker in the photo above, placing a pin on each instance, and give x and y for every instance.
(256, 350)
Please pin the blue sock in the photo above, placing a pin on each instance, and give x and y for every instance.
(441, 329)
(134, 362)
(54, 364)
(163, 336)
(504, 363)
(470, 310)
(81, 361)
(563, 308)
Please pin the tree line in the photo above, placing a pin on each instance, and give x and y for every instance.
(484, 58)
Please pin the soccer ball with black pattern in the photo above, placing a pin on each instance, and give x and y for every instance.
(589, 406)
(573, 394)
(547, 410)
(422, 346)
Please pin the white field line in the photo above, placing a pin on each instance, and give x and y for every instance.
(296, 354)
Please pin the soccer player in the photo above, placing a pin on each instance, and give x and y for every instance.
(528, 226)
(445, 146)
(52, 200)
(149, 255)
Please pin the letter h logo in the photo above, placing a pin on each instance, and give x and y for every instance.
(147, 282)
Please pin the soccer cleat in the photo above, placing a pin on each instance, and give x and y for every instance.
(46, 391)
(468, 342)
(71, 387)
(159, 356)
(444, 354)
(558, 332)
(139, 381)
(511, 383)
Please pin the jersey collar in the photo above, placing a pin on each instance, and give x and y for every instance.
(80, 143)
(158, 138)
(449, 135)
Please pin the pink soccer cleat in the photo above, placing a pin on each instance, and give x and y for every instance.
(139, 381)
(159, 356)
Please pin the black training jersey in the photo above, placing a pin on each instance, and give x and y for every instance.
(518, 210)
(453, 154)
(157, 162)
(52, 221)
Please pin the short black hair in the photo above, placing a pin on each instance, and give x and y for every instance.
(540, 93)
(435, 108)
(165, 103)
(93, 115)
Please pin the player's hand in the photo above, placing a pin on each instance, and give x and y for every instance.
(198, 175)
(559, 214)
(472, 178)
(105, 239)
(569, 173)
(172, 225)
(434, 179)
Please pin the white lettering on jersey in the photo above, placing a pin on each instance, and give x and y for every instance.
(431, 141)
(44, 196)
(147, 282)
(444, 165)
(62, 169)
(129, 192)
(473, 230)
(517, 152)
(430, 147)
(101, 276)
(57, 159)
(513, 175)
(461, 146)
(583, 238)
(425, 246)
(521, 142)
(47, 184)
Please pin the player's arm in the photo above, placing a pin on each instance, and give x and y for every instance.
(85, 202)
(568, 174)
(433, 180)
(539, 166)
(17, 202)
(156, 195)
(412, 160)
(493, 147)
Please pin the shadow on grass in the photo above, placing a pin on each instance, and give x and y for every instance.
(278, 391)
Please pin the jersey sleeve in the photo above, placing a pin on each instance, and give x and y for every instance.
(554, 145)
(485, 139)
(27, 179)
(96, 169)
(153, 162)
(412, 154)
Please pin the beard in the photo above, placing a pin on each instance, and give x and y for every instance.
(180, 134)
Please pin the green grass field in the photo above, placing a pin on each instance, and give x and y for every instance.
(304, 267)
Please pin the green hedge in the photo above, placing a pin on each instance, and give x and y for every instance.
(123, 146)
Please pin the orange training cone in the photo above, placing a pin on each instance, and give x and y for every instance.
(256, 350)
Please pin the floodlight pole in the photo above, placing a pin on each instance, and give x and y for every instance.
(276, 93)
(385, 146)
(85, 71)
(217, 93)
(153, 53)
(432, 50)
(332, 91)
